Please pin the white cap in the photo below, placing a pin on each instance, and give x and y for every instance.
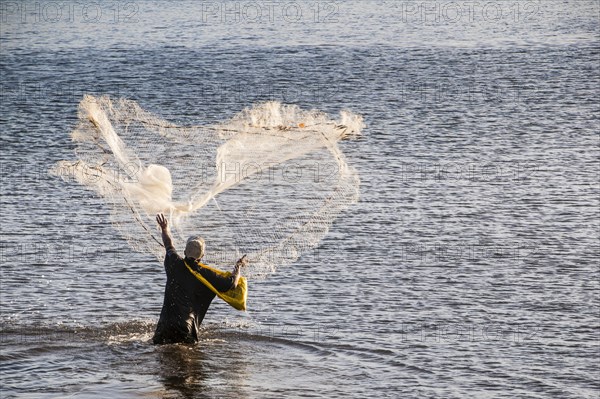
(194, 247)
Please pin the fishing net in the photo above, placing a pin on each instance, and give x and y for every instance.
(267, 183)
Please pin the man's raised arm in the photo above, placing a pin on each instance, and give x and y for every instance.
(164, 226)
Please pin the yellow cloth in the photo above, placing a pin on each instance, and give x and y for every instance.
(236, 297)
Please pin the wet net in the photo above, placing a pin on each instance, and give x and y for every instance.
(267, 183)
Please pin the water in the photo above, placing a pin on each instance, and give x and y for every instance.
(468, 269)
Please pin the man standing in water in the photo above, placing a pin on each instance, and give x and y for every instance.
(186, 297)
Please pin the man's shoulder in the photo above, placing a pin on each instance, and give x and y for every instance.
(171, 251)
(207, 270)
(220, 280)
(172, 256)
(200, 268)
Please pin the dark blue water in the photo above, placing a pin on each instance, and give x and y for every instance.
(468, 269)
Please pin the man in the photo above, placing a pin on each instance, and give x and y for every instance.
(187, 297)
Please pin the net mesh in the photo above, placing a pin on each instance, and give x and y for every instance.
(267, 183)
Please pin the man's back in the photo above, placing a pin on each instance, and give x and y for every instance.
(186, 300)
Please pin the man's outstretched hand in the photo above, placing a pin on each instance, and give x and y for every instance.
(162, 221)
(242, 262)
(164, 226)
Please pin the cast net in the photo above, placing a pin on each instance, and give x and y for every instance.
(267, 183)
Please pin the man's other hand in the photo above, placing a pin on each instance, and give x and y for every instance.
(243, 261)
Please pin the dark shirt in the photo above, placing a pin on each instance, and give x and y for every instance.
(186, 300)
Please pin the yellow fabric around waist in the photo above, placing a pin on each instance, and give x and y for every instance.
(236, 297)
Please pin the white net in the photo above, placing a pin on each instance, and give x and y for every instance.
(267, 183)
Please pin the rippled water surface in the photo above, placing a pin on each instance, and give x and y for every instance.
(468, 269)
